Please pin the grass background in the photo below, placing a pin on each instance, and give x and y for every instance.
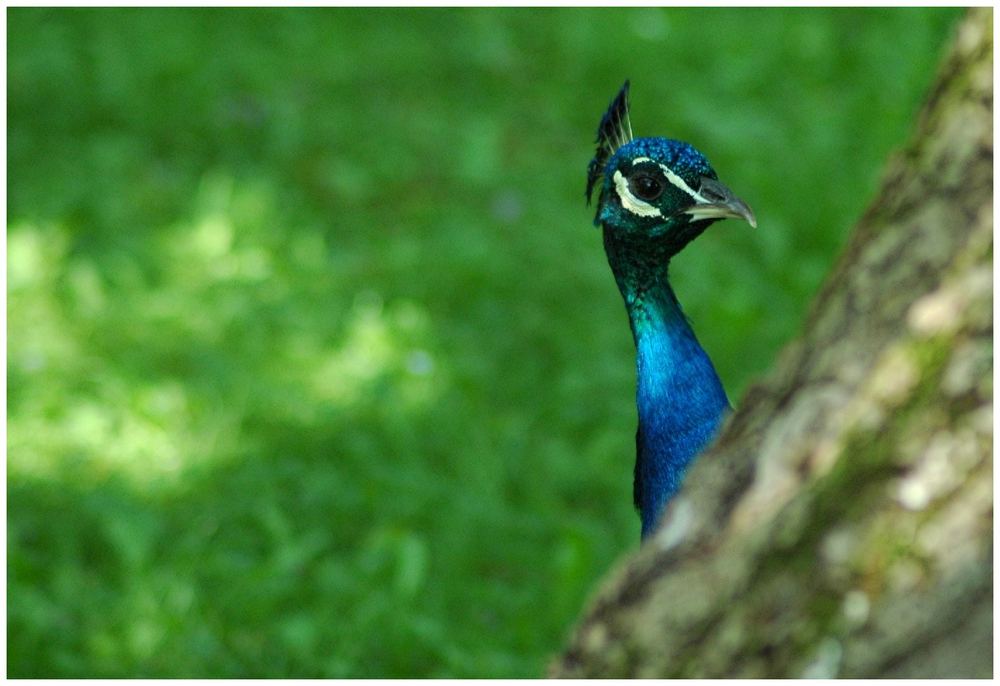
(315, 365)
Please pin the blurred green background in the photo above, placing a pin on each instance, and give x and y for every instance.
(315, 364)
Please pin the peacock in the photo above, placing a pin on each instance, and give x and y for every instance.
(656, 195)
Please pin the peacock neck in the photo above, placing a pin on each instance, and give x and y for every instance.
(679, 396)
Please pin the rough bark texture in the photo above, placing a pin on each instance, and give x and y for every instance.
(842, 525)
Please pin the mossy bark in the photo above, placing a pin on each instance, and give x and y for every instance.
(842, 525)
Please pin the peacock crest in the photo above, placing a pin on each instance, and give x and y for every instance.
(614, 131)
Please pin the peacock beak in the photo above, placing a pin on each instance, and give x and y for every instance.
(719, 203)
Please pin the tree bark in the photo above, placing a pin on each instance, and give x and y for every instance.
(842, 524)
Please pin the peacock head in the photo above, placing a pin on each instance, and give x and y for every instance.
(655, 189)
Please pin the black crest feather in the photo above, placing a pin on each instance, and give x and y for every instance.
(614, 131)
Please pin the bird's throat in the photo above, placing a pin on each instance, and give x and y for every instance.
(679, 396)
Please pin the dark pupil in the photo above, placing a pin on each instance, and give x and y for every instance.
(646, 187)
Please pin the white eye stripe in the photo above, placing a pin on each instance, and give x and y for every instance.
(679, 182)
(632, 203)
(673, 178)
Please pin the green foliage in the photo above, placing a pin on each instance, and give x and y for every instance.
(315, 364)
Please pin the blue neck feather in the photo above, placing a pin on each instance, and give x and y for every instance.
(680, 399)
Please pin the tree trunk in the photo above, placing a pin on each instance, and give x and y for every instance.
(842, 524)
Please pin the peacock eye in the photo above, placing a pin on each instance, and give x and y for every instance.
(646, 187)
